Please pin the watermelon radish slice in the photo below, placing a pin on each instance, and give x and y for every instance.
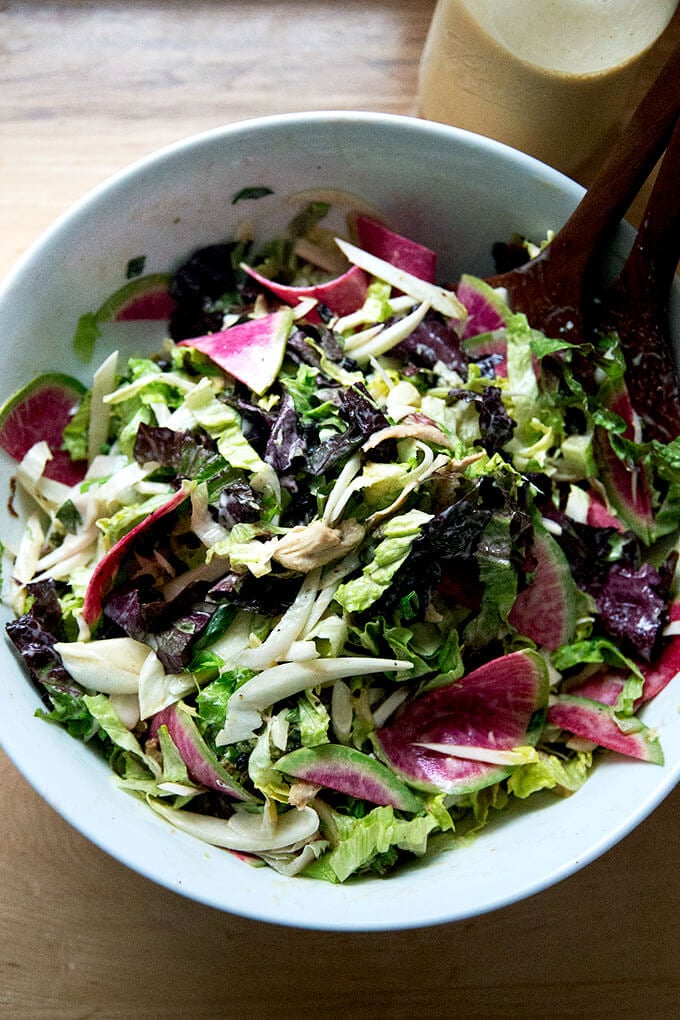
(251, 351)
(202, 765)
(146, 297)
(487, 311)
(606, 685)
(342, 295)
(402, 252)
(598, 516)
(40, 411)
(349, 771)
(499, 706)
(105, 572)
(596, 722)
(545, 611)
(626, 488)
(659, 674)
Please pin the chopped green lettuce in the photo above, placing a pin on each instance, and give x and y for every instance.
(362, 842)
(398, 535)
(550, 772)
(103, 711)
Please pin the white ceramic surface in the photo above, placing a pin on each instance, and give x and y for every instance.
(454, 191)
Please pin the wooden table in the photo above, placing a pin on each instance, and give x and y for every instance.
(85, 88)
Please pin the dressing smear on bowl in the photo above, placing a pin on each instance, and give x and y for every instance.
(354, 563)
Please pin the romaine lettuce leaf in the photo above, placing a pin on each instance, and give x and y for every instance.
(103, 711)
(550, 773)
(363, 841)
(398, 535)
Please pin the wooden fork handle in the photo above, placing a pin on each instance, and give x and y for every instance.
(656, 250)
(636, 304)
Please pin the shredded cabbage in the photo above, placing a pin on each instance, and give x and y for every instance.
(359, 554)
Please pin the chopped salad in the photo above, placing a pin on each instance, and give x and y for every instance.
(354, 562)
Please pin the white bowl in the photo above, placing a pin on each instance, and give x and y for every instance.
(454, 191)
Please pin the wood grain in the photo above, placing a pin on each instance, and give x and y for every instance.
(82, 936)
(89, 87)
(85, 88)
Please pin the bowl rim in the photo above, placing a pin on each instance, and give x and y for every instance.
(186, 143)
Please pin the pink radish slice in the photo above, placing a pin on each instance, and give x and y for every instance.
(105, 572)
(486, 310)
(498, 706)
(400, 251)
(251, 351)
(599, 517)
(660, 673)
(39, 412)
(202, 766)
(593, 721)
(545, 611)
(606, 685)
(349, 771)
(626, 488)
(146, 298)
(342, 295)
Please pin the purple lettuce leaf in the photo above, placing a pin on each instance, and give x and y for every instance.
(358, 409)
(174, 645)
(238, 504)
(447, 543)
(187, 454)
(197, 287)
(286, 445)
(307, 343)
(362, 416)
(632, 608)
(34, 635)
(256, 423)
(590, 548)
(433, 341)
(630, 595)
(170, 628)
(267, 595)
(495, 424)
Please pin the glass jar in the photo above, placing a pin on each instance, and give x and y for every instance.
(554, 78)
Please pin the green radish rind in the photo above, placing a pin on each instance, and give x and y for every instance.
(483, 303)
(500, 706)
(201, 763)
(145, 299)
(546, 610)
(596, 722)
(349, 771)
(627, 489)
(482, 345)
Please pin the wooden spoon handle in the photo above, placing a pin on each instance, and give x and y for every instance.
(629, 163)
(636, 304)
(656, 250)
